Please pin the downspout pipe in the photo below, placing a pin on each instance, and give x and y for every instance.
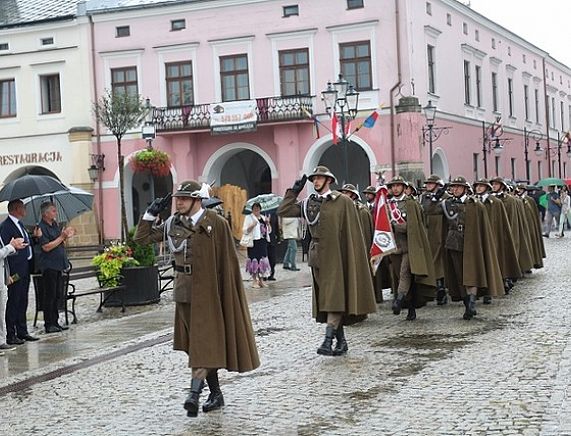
(546, 98)
(97, 132)
(396, 86)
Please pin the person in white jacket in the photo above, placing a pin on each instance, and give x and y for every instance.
(565, 210)
(5, 280)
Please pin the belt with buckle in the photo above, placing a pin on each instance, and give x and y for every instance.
(187, 269)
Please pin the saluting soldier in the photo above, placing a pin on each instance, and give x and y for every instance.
(212, 320)
(470, 254)
(342, 286)
(411, 263)
(431, 202)
(502, 232)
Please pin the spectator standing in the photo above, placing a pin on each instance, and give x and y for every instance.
(565, 210)
(272, 244)
(20, 266)
(258, 265)
(5, 251)
(53, 261)
(291, 234)
(553, 210)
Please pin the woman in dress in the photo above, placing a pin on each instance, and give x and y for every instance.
(258, 265)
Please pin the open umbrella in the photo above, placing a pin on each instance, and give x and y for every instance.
(267, 201)
(551, 181)
(30, 185)
(69, 204)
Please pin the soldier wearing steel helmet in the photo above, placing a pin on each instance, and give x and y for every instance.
(342, 285)
(471, 262)
(365, 217)
(212, 320)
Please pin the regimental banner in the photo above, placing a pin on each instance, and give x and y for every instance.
(233, 117)
(383, 239)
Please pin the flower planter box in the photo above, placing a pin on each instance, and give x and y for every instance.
(142, 287)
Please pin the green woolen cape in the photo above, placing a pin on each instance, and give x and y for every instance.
(535, 231)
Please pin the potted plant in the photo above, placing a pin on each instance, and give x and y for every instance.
(111, 262)
(149, 159)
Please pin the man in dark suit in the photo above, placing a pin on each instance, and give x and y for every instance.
(19, 265)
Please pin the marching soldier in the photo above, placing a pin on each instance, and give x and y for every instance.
(534, 225)
(431, 202)
(470, 254)
(517, 223)
(501, 230)
(342, 286)
(411, 263)
(365, 217)
(212, 320)
(410, 190)
(370, 194)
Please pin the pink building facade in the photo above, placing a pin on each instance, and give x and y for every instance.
(185, 56)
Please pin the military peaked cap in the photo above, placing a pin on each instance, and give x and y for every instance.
(460, 181)
(322, 170)
(433, 178)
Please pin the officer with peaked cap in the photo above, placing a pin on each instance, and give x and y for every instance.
(470, 254)
(212, 320)
(342, 285)
(431, 202)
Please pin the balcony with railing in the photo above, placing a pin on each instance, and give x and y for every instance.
(268, 109)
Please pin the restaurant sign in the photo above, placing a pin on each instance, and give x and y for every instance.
(30, 158)
(233, 117)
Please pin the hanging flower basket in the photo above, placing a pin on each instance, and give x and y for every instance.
(155, 161)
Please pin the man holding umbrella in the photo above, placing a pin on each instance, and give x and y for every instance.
(19, 264)
(342, 286)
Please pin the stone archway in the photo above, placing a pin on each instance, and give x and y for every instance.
(30, 170)
(244, 165)
(440, 164)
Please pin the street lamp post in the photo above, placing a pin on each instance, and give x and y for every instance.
(491, 141)
(536, 135)
(342, 101)
(431, 133)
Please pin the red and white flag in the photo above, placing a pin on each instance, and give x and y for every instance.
(383, 239)
(337, 130)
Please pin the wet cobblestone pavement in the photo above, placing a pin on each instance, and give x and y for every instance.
(505, 372)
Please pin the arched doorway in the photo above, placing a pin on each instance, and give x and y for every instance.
(440, 164)
(349, 163)
(144, 189)
(30, 170)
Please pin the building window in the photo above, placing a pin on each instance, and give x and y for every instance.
(4, 46)
(50, 91)
(477, 35)
(179, 84)
(494, 43)
(449, 19)
(552, 76)
(7, 98)
(178, 25)
(511, 97)
(294, 72)
(478, 86)
(561, 80)
(428, 8)
(524, 58)
(526, 101)
(475, 160)
(355, 59)
(553, 112)
(569, 113)
(536, 96)
(431, 77)
(47, 41)
(355, 4)
(497, 165)
(539, 176)
(495, 91)
(290, 10)
(234, 77)
(465, 28)
(513, 162)
(124, 81)
(122, 31)
(534, 64)
(509, 51)
(466, 82)
(562, 116)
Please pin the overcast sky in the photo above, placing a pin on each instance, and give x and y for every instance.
(544, 23)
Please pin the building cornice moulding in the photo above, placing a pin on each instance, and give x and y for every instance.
(176, 47)
(433, 32)
(495, 61)
(352, 26)
(526, 75)
(477, 53)
(121, 53)
(54, 62)
(511, 68)
(231, 40)
(292, 33)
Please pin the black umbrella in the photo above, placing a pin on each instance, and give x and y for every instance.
(30, 185)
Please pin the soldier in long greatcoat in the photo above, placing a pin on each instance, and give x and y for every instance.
(212, 320)
(342, 285)
(470, 253)
(365, 216)
(534, 225)
(411, 264)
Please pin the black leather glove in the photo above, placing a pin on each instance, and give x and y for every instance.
(159, 204)
(299, 184)
(439, 193)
